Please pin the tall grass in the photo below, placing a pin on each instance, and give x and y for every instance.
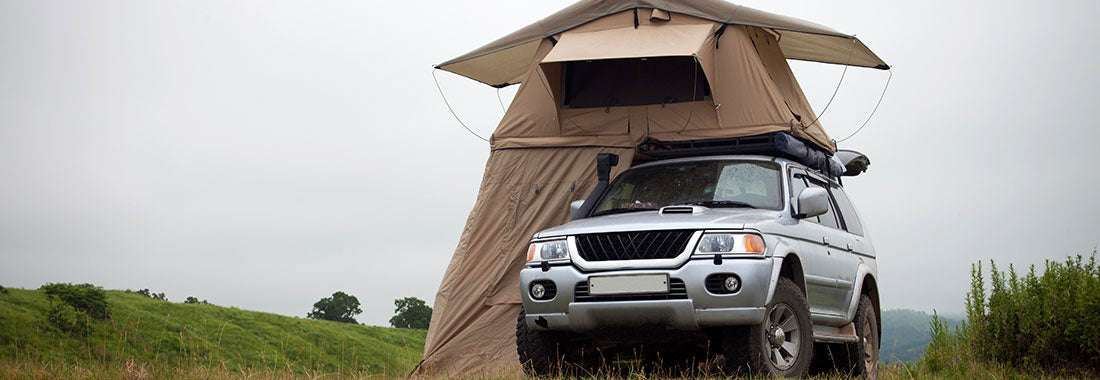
(1048, 322)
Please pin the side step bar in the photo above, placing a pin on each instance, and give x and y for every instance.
(829, 334)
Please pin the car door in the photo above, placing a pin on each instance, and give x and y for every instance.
(834, 243)
(852, 238)
(813, 236)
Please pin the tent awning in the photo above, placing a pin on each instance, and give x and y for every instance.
(645, 41)
(505, 61)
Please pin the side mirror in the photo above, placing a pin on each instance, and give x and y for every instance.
(575, 209)
(812, 202)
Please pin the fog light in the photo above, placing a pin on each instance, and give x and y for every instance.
(538, 291)
(732, 284)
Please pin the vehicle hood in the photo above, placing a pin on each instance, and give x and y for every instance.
(725, 218)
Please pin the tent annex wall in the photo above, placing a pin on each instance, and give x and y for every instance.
(543, 152)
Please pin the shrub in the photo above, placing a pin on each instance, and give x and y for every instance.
(194, 300)
(69, 319)
(85, 298)
(145, 292)
(3, 290)
(1037, 321)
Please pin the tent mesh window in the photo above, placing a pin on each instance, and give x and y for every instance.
(676, 291)
(638, 245)
(633, 82)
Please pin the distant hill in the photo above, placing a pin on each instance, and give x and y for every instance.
(905, 334)
(207, 336)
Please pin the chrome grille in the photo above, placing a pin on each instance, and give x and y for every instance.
(636, 245)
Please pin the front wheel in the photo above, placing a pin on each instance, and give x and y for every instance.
(782, 345)
(554, 353)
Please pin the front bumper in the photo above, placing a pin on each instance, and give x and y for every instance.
(699, 309)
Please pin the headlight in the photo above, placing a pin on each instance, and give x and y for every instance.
(730, 243)
(548, 250)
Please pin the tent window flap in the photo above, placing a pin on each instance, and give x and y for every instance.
(632, 82)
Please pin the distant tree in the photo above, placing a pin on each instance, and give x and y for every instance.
(191, 299)
(341, 307)
(411, 313)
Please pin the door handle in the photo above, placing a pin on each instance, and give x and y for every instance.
(850, 247)
(824, 240)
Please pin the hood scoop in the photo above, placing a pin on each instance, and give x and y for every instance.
(684, 209)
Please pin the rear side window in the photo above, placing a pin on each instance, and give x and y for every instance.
(847, 211)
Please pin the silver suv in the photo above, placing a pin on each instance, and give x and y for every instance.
(753, 262)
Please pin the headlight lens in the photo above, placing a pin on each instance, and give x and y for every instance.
(730, 243)
(548, 250)
(551, 250)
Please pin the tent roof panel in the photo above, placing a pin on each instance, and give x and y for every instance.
(481, 64)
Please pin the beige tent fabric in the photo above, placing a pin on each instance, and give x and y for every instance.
(473, 324)
(771, 56)
(540, 143)
(754, 91)
(504, 61)
(629, 42)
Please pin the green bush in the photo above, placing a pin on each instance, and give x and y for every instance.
(86, 298)
(3, 290)
(68, 319)
(1048, 321)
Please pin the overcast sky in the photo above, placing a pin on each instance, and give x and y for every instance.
(265, 154)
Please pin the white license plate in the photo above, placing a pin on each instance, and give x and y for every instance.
(628, 284)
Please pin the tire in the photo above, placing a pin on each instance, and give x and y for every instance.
(553, 353)
(862, 356)
(782, 345)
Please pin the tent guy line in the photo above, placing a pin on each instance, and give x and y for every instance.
(837, 89)
(449, 108)
(880, 97)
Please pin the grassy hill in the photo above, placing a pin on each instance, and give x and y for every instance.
(905, 334)
(162, 334)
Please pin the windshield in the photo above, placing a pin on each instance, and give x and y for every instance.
(706, 183)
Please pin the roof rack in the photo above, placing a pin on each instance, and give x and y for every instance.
(760, 144)
(777, 144)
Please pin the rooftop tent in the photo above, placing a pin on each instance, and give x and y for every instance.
(604, 77)
(505, 61)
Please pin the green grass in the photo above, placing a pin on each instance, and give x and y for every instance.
(161, 337)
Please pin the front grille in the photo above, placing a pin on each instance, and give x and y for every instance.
(676, 291)
(637, 245)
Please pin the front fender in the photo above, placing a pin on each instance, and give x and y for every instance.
(779, 254)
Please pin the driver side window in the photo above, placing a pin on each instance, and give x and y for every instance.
(827, 219)
(798, 183)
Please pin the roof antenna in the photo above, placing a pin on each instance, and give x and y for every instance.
(452, 109)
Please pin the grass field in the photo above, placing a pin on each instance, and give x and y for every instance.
(151, 339)
(158, 339)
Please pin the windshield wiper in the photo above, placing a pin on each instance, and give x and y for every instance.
(622, 210)
(718, 204)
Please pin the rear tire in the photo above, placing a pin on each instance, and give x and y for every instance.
(863, 355)
(781, 346)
